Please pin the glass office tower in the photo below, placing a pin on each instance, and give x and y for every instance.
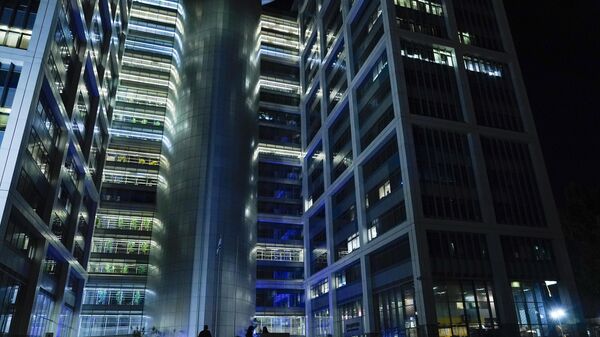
(427, 206)
(114, 296)
(280, 252)
(59, 69)
(204, 263)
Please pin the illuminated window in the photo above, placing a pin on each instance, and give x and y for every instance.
(533, 300)
(483, 66)
(381, 65)
(385, 190)
(353, 243)
(320, 322)
(121, 246)
(279, 253)
(374, 18)
(372, 232)
(319, 289)
(465, 38)
(348, 276)
(428, 54)
(9, 78)
(428, 7)
(293, 325)
(443, 57)
(16, 22)
(464, 308)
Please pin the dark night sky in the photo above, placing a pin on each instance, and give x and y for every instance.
(558, 43)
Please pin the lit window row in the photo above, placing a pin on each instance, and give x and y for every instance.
(319, 289)
(149, 48)
(285, 151)
(125, 222)
(145, 79)
(99, 296)
(111, 324)
(122, 156)
(146, 98)
(278, 85)
(285, 41)
(16, 22)
(279, 24)
(139, 62)
(279, 253)
(146, 14)
(280, 53)
(482, 66)
(428, 7)
(118, 268)
(140, 119)
(130, 178)
(293, 325)
(149, 112)
(152, 30)
(135, 135)
(121, 246)
(439, 56)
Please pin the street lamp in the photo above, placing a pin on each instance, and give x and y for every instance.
(558, 314)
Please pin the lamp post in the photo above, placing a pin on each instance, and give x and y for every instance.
(558, 314)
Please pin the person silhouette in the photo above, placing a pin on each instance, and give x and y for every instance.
(250, 331)
(265, 332)
(205, 332)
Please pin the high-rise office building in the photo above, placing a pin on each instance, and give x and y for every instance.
(59, 69)
(115, 292)
(204, 265)
(428, 208)
(116, 289)
(280, 248)
(380, 174)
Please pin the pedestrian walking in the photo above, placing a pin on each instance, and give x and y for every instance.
(205, 332)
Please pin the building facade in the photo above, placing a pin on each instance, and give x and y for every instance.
(60, 63)
(380, 174)
(204, 265)
(427, 206)
(280, 293)
(115, 292)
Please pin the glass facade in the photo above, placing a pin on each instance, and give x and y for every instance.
(54, 131)
(400, 189)
(114, 296)
(16, 22)
(512, 181)
(9, 289)
(494, 100)
(465, 308)
(280, 297)
(477, 24)
(413, 124)
(533, 303)
(431, 81)
(447, 178)
(421, 16)
(9, 78)
(395, 311)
